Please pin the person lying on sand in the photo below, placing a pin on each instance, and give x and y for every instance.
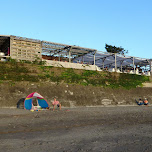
(56, 103)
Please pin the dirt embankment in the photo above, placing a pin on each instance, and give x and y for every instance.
(72, 95)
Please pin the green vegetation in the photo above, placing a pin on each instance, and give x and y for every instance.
(114, 49)
(35, 72)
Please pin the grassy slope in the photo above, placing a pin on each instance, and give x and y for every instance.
(12, 71)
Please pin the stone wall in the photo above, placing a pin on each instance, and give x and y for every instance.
(72, 95)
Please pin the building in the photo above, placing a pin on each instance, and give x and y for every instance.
(63, 55)
(29, 49)
(20, 48)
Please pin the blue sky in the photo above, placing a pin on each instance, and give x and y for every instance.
(86, 23)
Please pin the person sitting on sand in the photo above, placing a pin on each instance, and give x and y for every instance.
(56, 103)
(145, 102)
(140, 102)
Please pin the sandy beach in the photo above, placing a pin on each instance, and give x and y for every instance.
(99, 129)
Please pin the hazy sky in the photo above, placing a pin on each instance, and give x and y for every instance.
(85, 23)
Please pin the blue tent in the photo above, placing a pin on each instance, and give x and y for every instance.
(28, 102)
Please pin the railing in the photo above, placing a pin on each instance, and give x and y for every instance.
(130, 72)
(81, 66)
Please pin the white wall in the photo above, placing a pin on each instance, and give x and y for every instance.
(71, 65)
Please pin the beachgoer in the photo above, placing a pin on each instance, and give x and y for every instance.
(145, 102)
(140, 102)
(56, 103)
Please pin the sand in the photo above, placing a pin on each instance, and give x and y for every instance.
(99, 129)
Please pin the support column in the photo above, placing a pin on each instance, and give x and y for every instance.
(70, 54)
(115, 62)
(95, 58)
(103, 63)
(121, 65)
(41, 50)
(134, 64)
(82, 59)
(150, 64)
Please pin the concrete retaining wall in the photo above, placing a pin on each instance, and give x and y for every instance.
(71, 65)
(72, 95)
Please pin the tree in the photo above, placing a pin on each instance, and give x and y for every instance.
(114, 49)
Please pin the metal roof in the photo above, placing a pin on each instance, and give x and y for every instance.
(105, 59)
(25, 39)
(58, 49)
(86, 55)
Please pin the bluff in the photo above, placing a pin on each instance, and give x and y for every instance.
(71, 87)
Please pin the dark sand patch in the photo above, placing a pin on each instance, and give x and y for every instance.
(106, 129)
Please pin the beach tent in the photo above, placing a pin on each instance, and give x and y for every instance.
(28, 102)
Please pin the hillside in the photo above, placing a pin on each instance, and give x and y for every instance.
(72, 87)
(13, 71)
